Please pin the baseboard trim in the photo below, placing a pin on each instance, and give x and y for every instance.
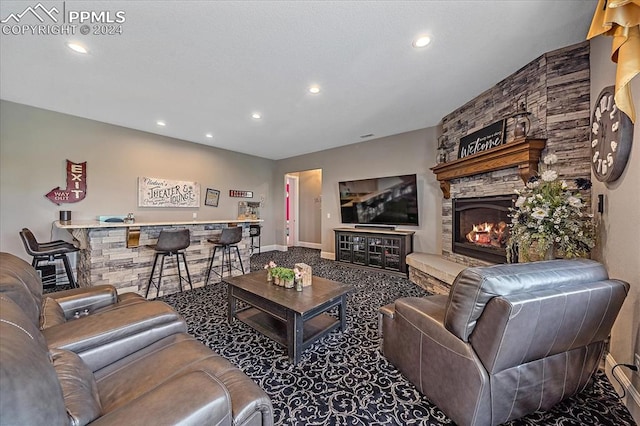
(309, 245)
(632, 398)
(327, 255)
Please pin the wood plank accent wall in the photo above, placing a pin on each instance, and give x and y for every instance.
(557, 89)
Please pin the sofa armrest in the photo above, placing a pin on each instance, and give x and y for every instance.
(175, 402)
(82, 301)
(105, 337)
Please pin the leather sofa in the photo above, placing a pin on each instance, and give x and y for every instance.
(90, 356)
(508, 340)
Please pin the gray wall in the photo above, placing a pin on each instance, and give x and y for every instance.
(619, 226)
(34, 144)
(411, 152)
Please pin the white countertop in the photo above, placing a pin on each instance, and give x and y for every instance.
(84, 224)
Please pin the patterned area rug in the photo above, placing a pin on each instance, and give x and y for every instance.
(343, 379)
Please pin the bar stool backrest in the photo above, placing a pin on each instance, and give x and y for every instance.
(173, 240)
(30, 243)
(230, 236)
(254, 230)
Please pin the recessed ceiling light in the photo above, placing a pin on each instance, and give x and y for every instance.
(421, 41)
(314, 89)
(161, 123)
(256, 115)
(209, 135)
(368, 135)
(77, 47)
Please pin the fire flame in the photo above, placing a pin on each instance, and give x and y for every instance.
(489, 234)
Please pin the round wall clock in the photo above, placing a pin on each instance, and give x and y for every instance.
(611, 137)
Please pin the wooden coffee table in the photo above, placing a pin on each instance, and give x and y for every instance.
(292, 318)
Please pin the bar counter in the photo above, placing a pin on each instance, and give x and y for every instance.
(118, 253)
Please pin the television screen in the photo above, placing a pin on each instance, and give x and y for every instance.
(389, 200)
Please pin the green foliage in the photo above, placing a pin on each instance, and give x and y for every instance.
(283, 273)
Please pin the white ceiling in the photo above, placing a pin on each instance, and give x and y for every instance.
(206, 66)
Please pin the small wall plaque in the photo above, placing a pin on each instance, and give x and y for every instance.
(212, 198)
(240, 194)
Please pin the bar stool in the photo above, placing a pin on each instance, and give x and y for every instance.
(48, 252)
(254, 232)
(229, 238)
(170, 242)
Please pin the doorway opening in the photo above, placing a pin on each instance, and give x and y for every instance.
(303, 209)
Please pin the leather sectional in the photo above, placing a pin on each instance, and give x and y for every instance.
(91, 356)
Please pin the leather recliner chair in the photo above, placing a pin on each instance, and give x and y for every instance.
(508, 340)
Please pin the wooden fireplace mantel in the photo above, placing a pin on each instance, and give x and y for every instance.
(523, 152)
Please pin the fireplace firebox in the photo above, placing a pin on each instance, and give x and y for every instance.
(480, 227)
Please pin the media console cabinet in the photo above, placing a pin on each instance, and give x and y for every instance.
(374, 247)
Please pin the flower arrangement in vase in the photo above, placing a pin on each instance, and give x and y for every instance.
(269, 267)
(299, 275)
(549, 217)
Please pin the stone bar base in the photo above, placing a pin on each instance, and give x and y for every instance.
(432, 272)
(106, 259)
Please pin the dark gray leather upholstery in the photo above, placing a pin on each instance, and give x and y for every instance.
(508, 340)
(125, 363)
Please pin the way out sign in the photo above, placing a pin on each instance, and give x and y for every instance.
(76, 185)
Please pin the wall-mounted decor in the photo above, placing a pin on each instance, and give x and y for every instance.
(240, 194)
(76, 185)
(611, 137)
(156, 192)
(482, 140)
(212, 198)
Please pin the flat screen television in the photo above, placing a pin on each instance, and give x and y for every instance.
(391, 200)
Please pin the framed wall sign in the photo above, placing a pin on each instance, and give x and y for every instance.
(482, 140)
(213, 195)
(240, 194)
(157, 192)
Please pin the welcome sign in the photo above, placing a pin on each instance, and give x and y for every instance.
(482, 140)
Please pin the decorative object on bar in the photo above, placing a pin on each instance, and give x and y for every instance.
(521, 120)
(305, 273)
(76, 185)
(269, 267)
(442, 154)
(130, 219)
(549, 219)
(248, 210)
(65, 216)
(212, 197)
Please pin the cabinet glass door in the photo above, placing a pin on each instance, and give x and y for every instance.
(375, 250)
(392, 253)
(359, 249)
(344, 247)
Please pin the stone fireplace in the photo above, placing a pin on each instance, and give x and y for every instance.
(556, 86)
(480, 227)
